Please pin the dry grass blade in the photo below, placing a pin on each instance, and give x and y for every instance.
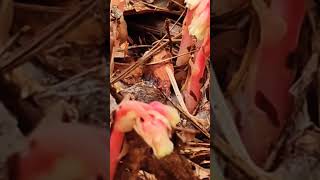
(168, 59)
(177, 3)
(176, 90)
(193, 119)
(182, 108)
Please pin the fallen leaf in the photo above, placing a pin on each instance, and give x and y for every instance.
(157, 72)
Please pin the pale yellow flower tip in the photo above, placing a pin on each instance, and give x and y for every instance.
(200, 24)
(126, 122)
(175, 117)
(156, 133)
(162, 147)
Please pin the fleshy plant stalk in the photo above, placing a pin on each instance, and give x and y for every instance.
(197, 24)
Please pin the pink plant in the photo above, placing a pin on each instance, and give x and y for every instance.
(153, 122)
(197, 24)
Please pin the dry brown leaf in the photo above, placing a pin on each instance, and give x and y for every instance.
(201, 172)
(157, 73)
(134, 77)
(187, 135)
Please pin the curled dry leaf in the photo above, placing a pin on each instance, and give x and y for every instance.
(157, 72)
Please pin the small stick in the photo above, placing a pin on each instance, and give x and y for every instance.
(167, 23)
(13, 39)
(180, 5)
(139, 62)
(41, 8)
(168, 59)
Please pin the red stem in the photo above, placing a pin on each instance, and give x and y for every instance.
(193, 84)
(186, 40)
(116, 141)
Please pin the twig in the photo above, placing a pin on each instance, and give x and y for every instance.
(52, 32)
(168, 32)
(13, 39)
(139, 46)
(41, 8)
(170, 29)
(176, 89)
(168, 59)
(140, 61)
(180, 5)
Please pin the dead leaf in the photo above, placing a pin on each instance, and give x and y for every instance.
(157, 73)
(187, 135)
(133, 78)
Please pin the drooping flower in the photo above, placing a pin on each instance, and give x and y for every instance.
(153, 122)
